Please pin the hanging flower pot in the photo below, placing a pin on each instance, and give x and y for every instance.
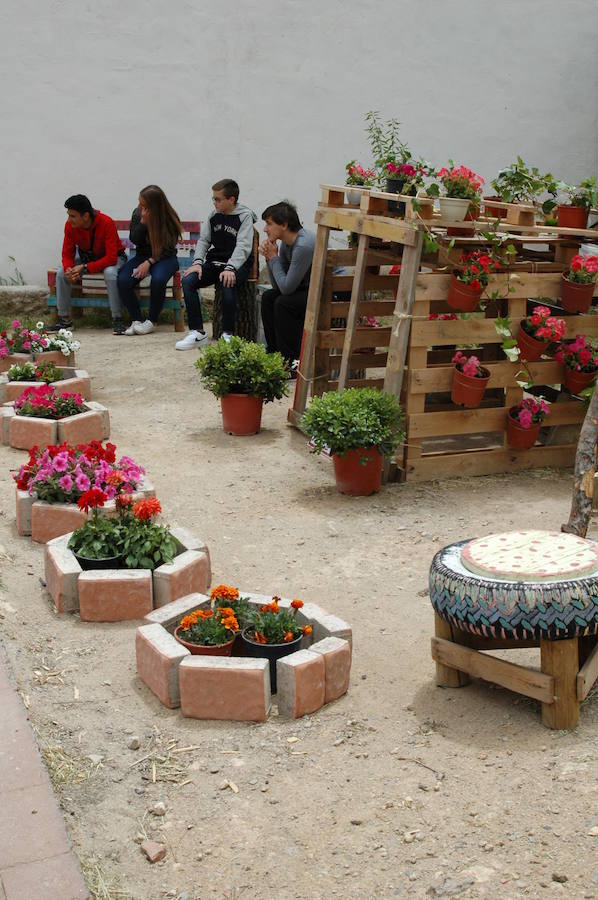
(572, 216)
(469, 390)
(462, 296)
(205, 649)
(453, 209)
(575, 297)
(358, 472)
(576, 382)
(518, 437)
(531, 349)
(241, 413)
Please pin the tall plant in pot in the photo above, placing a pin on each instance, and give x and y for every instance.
(358, 426)
(357, 176)
(519, 184)
(573, 202)
(462, 190)
(579, 283)
(244, 376)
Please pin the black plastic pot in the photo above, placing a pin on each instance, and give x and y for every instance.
(271, 652)
(110, 562)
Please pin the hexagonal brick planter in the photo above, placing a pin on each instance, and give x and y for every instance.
(54, 356)
(117, 595)
(14, 359)
(45, 521)
(23, 432)
(75, 381)
(236, 687)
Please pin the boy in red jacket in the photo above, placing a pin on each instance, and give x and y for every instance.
(91, 244)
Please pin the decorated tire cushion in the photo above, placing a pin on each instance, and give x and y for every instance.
(521, 585)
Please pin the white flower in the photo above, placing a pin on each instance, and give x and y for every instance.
(76, 345)
(39, 326)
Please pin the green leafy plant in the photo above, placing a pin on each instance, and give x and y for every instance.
(225, 595)
(242, 367)
(145, 544)
(46, 372)
(352, 419)
(100, 537)
(275, 624)
(26, 372)
(209, 628)
(518, 183)
(17, 278)
(385, 143)
(585, 194)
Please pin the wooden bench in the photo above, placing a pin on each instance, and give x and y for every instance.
(91, 293)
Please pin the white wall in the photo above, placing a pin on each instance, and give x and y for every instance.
(103, 97)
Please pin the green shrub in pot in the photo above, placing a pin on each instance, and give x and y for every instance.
(354, 418)
(242, 367)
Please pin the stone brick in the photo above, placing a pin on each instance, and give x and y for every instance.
(301, 683)
(84, 427)
(50, 520)
(332, 626)
(84, 377)
(219, 687)
(188, 573)
(98, 407)
(187, 540)
(311, 614)
(62, 541)
(56, 357)
(24, 502)
(7, 414)
(74, 385)
(62, 572)
(158, 658)
(114, 595)
(14, 389)
(13, 359)
(168, 616)
(337, 662)
(25, 431)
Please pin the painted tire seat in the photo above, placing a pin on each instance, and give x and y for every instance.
(491, 606)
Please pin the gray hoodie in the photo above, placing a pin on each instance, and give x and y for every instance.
(226, 239)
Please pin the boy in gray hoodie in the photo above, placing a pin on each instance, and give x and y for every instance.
(223, 254)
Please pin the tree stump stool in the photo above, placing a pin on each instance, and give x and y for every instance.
(245, 317)
(513, 590)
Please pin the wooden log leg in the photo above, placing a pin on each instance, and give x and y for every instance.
(179, 319)
(586, 645)
(561, 660)
(445, 676)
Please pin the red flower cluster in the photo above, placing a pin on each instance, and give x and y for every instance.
(475, 269)
(584, 269)
(443, 316)
(578, 355)
(543, 326)
(91, 498)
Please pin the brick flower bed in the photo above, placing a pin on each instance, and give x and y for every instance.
(75, 381)
(53, 356)
(117, 595)
(24, 432)
(237, 687)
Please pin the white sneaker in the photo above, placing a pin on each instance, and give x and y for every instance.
(131, 329)
(226, 336)
(195, 339)
(143, 327)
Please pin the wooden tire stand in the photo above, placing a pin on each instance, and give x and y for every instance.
(564, 631)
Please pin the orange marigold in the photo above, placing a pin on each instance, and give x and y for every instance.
(296, 604)
(288, 636)
(115, 478)
(224, 592)
(205, 613)
(272, 607)
(188, 622)
(259, 638)
(225, 611)
(124, 501)
(307, 629)
(147, 509)
(231, 623)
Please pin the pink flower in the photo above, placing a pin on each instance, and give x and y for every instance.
(60, 462)
(26, 345)
(83, 482)
(66, 483)
(525, 418)
(15, 324)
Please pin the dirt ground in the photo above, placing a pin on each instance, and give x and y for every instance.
(399, 788)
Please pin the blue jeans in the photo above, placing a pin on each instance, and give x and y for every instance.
(210, 274)
(161, 272)
(64, 288)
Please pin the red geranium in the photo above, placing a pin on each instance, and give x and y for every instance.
(91, 498)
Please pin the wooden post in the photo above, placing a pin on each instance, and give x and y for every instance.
(585, 469)
(306, 367)
(445, 676)
(399, 339)
(561, 660)
(356, 293)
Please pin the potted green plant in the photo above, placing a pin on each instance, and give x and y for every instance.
(524, 421)
(386, 146)
(519, 184)
(580, 360)
(244, 376)
(44, 371)
(462, 192)
(577, 201)
(579, 283)
(359, 177)
(358, 427)
(273, 633)
(470, 380)
(208, 632)
(98, 543)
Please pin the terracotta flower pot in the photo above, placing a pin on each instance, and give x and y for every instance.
(271, 652)
(572, 216)
(205, 649)
(495, 212)
(241, 413)
(531, 349)
(520, 438)
(426, 208)
(576, 298)
(467, 390)
(463, 296)
(356, 478)
(576, 382)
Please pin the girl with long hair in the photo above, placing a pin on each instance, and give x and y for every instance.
(155, 230)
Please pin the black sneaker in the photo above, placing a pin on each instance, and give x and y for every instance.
(60, 323)
(118, 326)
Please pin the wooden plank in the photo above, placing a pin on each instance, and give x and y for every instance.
(355, 382)
(440, 378)
(587, 675)
(306, 364)
(371, 282)
(322, 357)
(439, 332)
(434, 286)
(472, 421)
(487, 462)
(447, 676)
(374, 226)
(477, 642)
(366, 307)
(356, 293)
(520, 679)
(363, 338)
(559, 659)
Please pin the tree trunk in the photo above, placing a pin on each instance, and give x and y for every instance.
(585, 469)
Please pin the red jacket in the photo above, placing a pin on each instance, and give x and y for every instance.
(102, 239)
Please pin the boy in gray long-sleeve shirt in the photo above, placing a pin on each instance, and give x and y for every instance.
(289, 267)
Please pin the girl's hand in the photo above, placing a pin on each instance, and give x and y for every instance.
(142, 270)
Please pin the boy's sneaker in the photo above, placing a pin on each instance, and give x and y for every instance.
(193, 340)
(226, 336)
(143, 327)
(60, 323)
(131, 329)
(118, 326)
